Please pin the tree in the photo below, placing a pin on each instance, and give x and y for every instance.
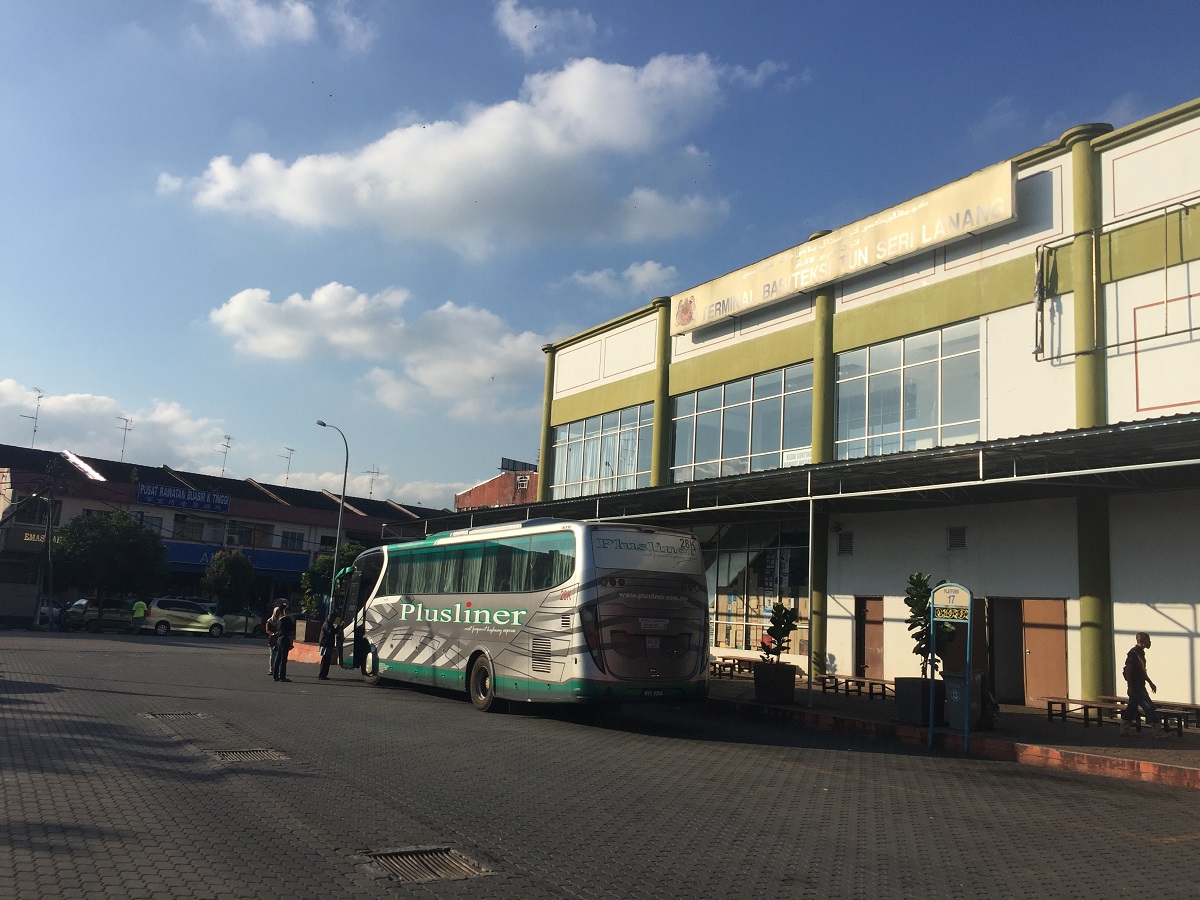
(229, 578)
(111, 553)
(315, 582)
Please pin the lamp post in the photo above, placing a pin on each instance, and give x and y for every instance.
(337, 540)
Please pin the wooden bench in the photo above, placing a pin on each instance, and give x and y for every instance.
(721, 667)
(1188, 710)
(1094, 711)
(848, 684)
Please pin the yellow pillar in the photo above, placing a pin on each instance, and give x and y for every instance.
(660, 447)
(818, 623)
(545, 462)
(824, 413)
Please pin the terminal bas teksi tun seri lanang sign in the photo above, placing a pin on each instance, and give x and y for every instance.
(965, 207)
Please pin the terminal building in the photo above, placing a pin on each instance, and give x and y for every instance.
(996, 383)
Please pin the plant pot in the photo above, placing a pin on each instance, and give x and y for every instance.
(912, 700)
(775, 683)
(312, 632)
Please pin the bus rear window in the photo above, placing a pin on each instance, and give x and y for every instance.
(646, 552)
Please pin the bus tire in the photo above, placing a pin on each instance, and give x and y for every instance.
(482, 687)
(370, 667)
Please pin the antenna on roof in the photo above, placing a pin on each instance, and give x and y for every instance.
(124, 428)
(36, 410)
(288, 473)
(225, 446)
(373, 472)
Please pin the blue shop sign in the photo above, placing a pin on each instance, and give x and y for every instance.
(182, 553)
(183, 498)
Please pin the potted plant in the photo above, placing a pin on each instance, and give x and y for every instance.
(775, 681)
(912, 694)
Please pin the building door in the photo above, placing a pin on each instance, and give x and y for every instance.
(868, 637)
(1044, 635)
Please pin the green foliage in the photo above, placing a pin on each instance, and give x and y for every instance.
(778, 636)
(229, 578)
(315, 582)
(112, 553)
(916, 598)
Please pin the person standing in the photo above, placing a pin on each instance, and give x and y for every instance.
(139, 616)
(284, 638)
(1136, 680)
(272, 628)
(328, 645)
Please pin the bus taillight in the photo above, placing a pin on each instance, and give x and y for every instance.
(591, 633)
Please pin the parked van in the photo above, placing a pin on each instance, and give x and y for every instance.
(167, 614)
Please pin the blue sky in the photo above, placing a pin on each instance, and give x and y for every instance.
(223, 220)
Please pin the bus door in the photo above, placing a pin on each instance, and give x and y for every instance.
(367, 569)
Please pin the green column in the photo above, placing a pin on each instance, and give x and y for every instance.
(1091, 406)
(817, 626)
(660, 448)
(1095, 594)
(824, 422)
(545, 469)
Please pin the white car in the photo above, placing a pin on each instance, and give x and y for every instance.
(245, 622)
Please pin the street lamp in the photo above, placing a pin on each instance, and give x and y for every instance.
(337, 540)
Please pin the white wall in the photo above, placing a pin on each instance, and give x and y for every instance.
(627, 350)
(1151, 172)
(1022, 395)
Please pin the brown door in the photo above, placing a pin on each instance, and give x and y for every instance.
(868, 637)
(1044, 634)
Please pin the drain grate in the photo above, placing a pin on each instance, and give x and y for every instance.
(419, 864)
(250, 755)
(176, 715)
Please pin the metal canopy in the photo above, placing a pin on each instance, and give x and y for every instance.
(1160, 454)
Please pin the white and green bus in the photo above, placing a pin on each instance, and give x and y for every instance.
(543, 610)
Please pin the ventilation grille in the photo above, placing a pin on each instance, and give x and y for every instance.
(422, 864)
(176, 715)
(845, 543)
(541, 654)
(956, 537)
(246, 755)
(566, 621)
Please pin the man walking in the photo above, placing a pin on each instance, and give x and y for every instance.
(139, 616)
(1136, 679)
(284, 638)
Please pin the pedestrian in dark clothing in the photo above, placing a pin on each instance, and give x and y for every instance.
(328, 645)
(1136, 680)
(284, 638)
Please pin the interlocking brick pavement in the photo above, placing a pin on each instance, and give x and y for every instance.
(101, 800)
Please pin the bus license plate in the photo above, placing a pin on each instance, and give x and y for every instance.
(652, 693)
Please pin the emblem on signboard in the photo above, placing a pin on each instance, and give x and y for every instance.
(685, 312)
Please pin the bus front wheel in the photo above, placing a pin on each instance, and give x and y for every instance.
(370, 667)
(483, 686)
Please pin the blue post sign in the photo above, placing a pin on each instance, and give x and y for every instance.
(951, 603)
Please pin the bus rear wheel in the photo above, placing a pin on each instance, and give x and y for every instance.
(482, 687)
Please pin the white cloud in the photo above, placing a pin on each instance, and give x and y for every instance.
(640, 282)
(534, 30)
(354, 33)
(1124, 110)
(336, 317)
(565, 161)
(1002, 117)
(420, 492)
(168, 184)
(256, 23)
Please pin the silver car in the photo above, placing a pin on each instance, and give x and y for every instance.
(167, 614)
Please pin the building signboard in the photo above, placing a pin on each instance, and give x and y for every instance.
(183, 498)
(968, 206)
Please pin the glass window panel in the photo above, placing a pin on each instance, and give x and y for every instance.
(851, 449)
(626, 483)
(960, 388)
(960, 338)
(560, 434)
(738, 466)
(645, 448)
(626, 451)
(920, 440)
(683, 441)
(591, 459)
(642, 480)
(575, 430)
(591, 426)
(960, 434)
(885, 356)
(589, 487)
(573, 490)
(737, 392)
(768, 384)
(681, 475)
(574, 462)
(685, 405)
(560, 464)
(852, 409)
(877, 446)
(920, 396)
(709, 398)
(608, 456)
(646, 413)
(708, 436)
(766, 432)
(920, 348)
(883, 403)
(798, 378)
(852, 364)
(764, 461)
(735, 431)
(609, 421)
(629, 416)
(707, 470)
(797, 420)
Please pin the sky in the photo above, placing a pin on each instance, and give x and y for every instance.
(223, 220)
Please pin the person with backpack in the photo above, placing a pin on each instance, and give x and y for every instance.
(1136, 680)
(285, 636)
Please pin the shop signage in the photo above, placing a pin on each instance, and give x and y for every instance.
(968, 206)
(183, 498)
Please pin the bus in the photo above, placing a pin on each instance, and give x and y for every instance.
(545, 610)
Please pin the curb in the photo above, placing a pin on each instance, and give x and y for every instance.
(981, 747)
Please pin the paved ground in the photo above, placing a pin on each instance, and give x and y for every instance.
(112, 785)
